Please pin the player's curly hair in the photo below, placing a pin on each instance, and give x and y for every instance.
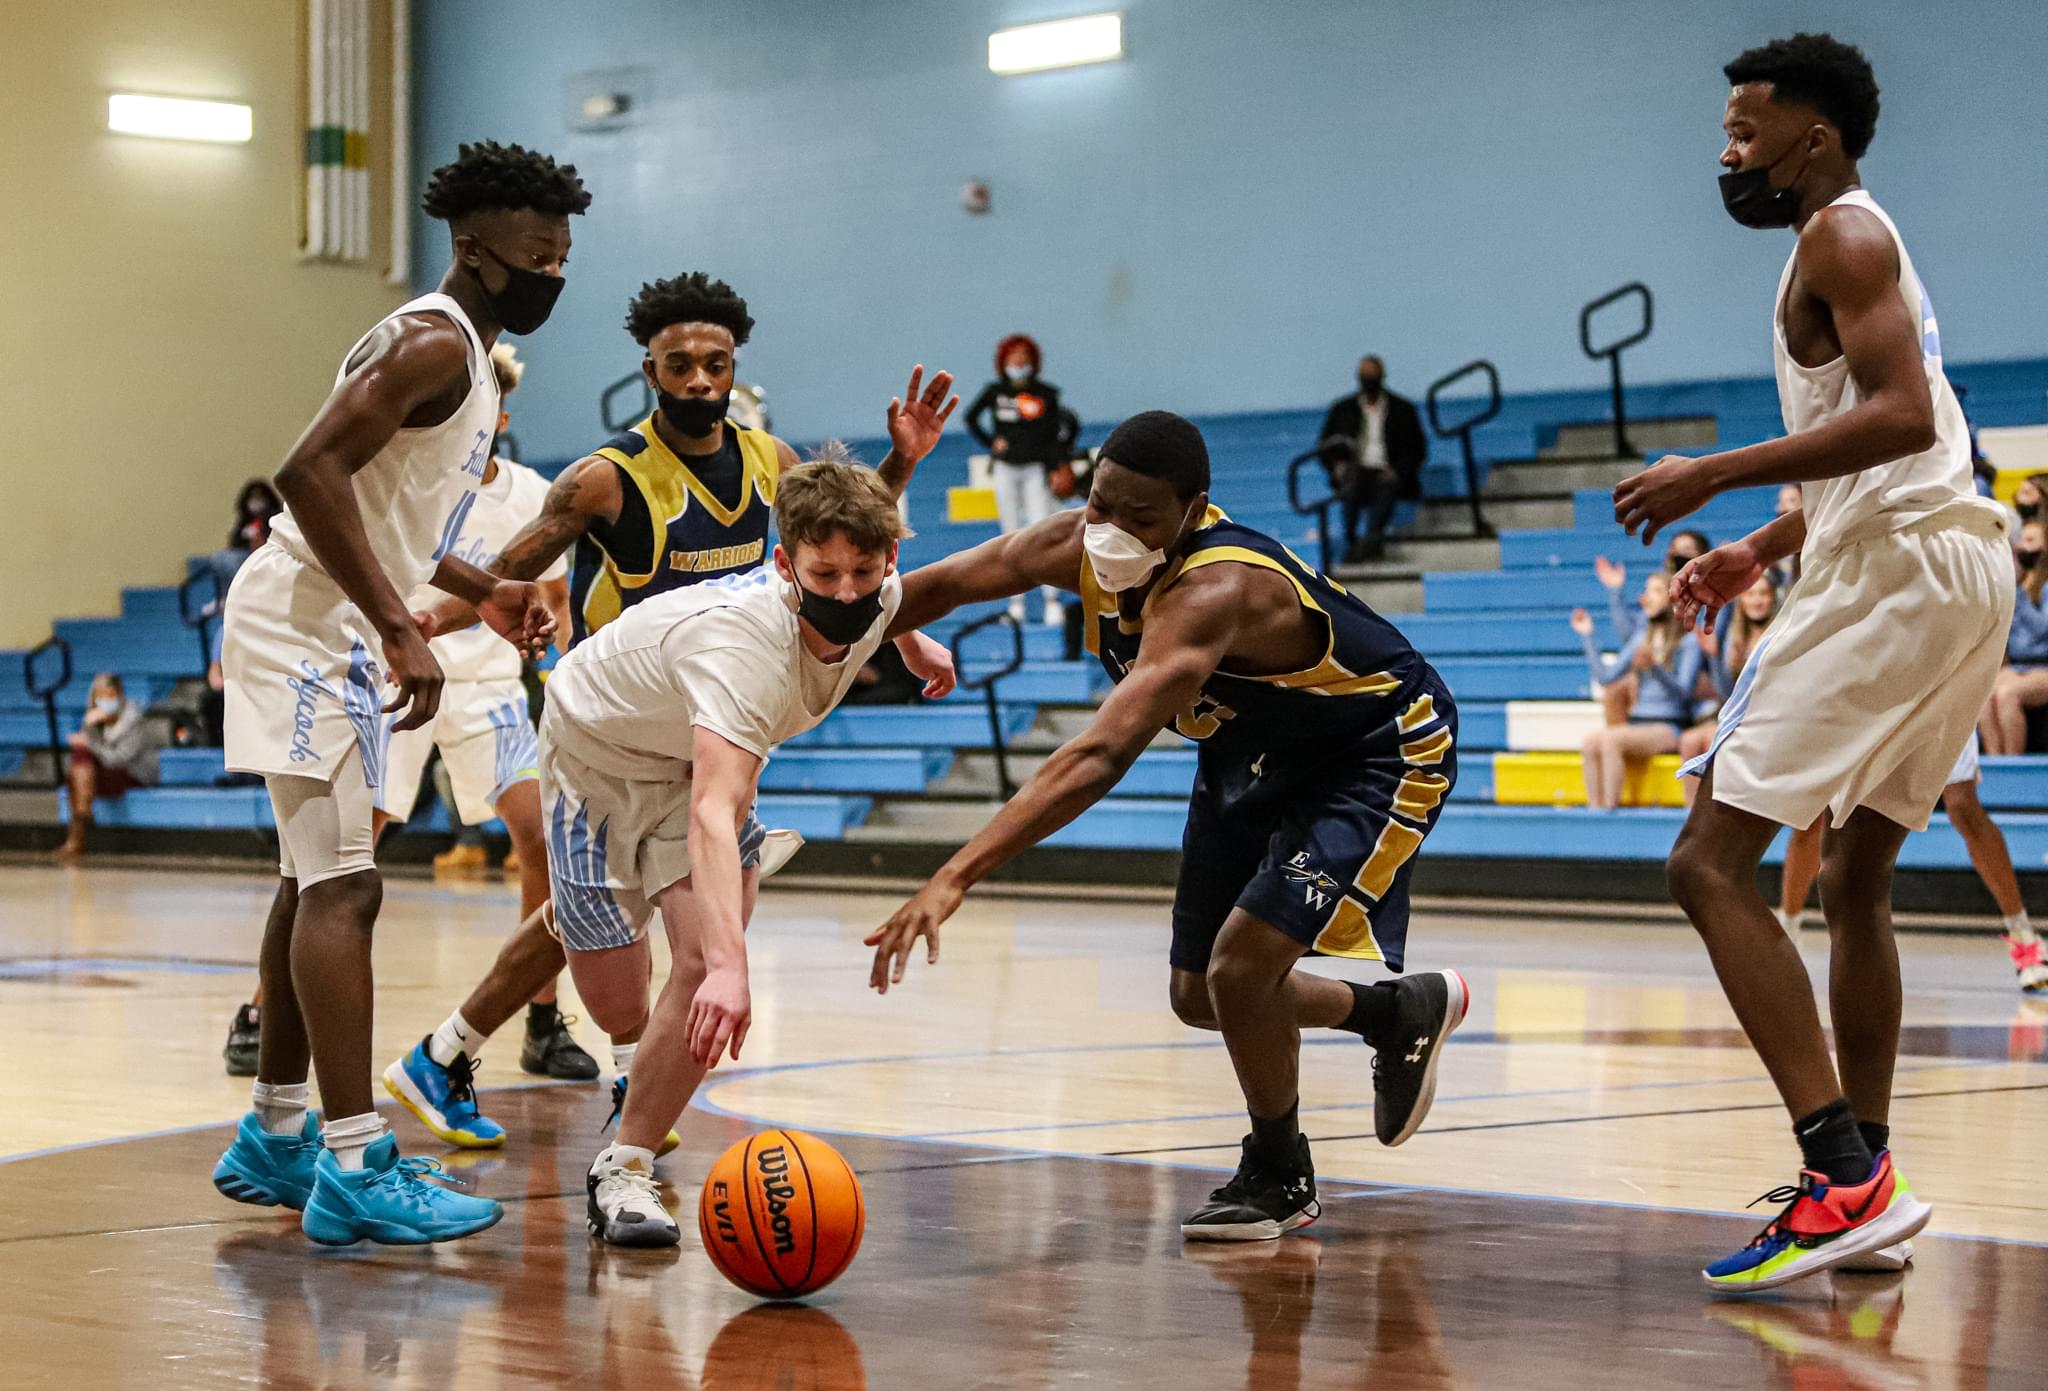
(488, 176)
(687, 299)
(1821, 71)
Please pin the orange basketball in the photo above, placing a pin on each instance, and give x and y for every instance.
(781, 1214)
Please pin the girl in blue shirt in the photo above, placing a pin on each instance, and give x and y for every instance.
(1666, 663)
(2024, 682)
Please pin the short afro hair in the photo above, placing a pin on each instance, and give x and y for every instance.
(687, 299)
(487, 177)
(1160, 444)
(1820, 71)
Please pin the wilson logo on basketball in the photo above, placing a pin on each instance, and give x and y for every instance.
(773, 1164)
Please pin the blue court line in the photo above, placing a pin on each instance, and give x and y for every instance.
(53, 967)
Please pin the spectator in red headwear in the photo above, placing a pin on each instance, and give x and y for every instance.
(1031, 436)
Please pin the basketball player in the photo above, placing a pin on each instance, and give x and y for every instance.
(316, 625)
(1326, 751)
(1860, 693)
(682, 497)
(652, 743)
(486, 740)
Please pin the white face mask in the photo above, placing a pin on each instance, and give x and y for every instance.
(1018, 372)
(1120, 560)
(108, 705)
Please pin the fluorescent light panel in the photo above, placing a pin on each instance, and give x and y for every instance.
(1059, 43)
(176, 118)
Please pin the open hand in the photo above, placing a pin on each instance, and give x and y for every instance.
(1582, 623)
(1673, 487)
(1703, 587)
(720, 1014)
(920, 917)
(918, 416)
(1612, 576)
(410, 667)
(517, 613)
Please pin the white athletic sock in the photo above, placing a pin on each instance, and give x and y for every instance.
(2019, 928)
(623, 1157)
(348, 1137)
(280, 1107)
(622, 1057)
(1791, 922)
(454, 1037)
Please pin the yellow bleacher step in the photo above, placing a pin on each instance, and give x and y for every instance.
(1558, 780)
(970, 504)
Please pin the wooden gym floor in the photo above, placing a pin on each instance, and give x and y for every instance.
(1030, 1123)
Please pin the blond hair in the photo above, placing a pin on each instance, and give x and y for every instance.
(507, 367)
(834, 494)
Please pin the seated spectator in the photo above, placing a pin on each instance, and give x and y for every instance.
(1620, 696)
(2023, 684)
(1031, 435)
(1666, 665)
(110, 753)
(2027, 501)
(255, 505)
(1727, 650)
(1373, 446)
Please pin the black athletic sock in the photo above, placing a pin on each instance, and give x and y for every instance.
(1878, 1138)
(1832, 1145)
(1278, 1140)
(1372, 1012)
(540, 1019)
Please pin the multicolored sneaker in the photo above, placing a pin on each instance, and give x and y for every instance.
(267, 1170)
(669, 1144)
(444, 1098)
(1824, 1225)
(389, 1200)
(1885, 1260)
(2027, 964)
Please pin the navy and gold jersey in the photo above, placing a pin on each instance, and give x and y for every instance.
(1368, 679)
(679, 522)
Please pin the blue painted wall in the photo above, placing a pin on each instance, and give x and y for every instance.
(1227, 219)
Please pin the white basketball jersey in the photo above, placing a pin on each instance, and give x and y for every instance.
(482, 525)
(409, 491)
(1890, 496)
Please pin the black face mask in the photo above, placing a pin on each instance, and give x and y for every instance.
(2029, 559)
(1370, 387)
(837, 622)
(695, 416)
(2027, 510)
(1749, 198)
(527, 299)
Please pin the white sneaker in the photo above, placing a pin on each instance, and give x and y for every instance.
(1055, 615)
(625, 1205)
(1885, 1260)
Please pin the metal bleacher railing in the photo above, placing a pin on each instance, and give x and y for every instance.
(986, 684)
(1463, 429)
(45, 691)
(643, 402)
(1318, 507)
(1612, 352)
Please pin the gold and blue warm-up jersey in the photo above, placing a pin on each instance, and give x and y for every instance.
(1368, 679)
(679, 522)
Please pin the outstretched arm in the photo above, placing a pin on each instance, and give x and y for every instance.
(1849, 262)
(586, 491)
(721, 789)
(1186, 638)
(916, 420)
(1048, 553)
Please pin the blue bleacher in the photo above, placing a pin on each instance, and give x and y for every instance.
(1497, 636)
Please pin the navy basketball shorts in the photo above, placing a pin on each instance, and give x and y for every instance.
(1319, 841)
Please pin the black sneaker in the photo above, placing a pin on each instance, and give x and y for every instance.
(243, 1037)
(1259, 1203)
(1426, 1009)
(551, 1050)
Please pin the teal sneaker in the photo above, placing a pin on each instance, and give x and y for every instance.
(444, 1098)
(389, 1200)
(267, 1170)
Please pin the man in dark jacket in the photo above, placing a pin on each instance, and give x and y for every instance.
(1374, 448)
